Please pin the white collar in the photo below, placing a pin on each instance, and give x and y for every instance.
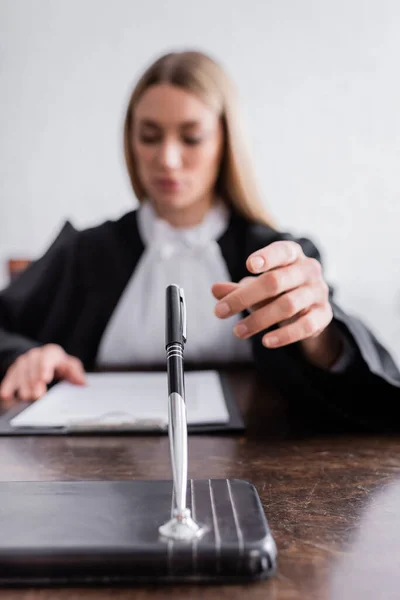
(156, 231)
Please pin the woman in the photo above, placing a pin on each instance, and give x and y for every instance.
(96, 298)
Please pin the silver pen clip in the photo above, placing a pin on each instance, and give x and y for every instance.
(183, 314)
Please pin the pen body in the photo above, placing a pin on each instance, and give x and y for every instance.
(177, 423)
(176, 384)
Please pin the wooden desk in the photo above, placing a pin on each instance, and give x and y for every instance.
(333, 503)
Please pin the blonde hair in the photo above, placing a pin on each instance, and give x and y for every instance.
(202, 76)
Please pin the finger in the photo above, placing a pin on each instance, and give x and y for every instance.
(36, 376)
(274, 255)
(269, 285)
(20, 381)
(7, 387)
(220, 290)
(72, 370)
(29, 392)
(247, 280)
(39, 390)
(51, 356)
(25, 388)
(39, 372)
(35, 367)
(281, 309)
(9, 402)
(306, 326)
(253, 307)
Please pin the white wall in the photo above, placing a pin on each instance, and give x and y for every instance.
(320, 89)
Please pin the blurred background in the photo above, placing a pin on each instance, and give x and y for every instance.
(320, 91)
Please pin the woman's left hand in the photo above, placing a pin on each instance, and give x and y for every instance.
(289, 292)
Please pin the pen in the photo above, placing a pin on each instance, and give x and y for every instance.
(181, 526)
(175, 338)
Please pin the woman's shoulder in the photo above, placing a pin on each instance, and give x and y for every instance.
(103, 242)
(124, 226)
(69, 234)
(113, 242)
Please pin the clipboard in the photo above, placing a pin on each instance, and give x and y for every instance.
(106, 532)
(234, 424)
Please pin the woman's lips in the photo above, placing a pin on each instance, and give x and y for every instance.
(167, 184)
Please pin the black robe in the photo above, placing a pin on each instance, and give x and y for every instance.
(68, 296)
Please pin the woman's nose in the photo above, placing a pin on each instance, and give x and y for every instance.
(170, 155)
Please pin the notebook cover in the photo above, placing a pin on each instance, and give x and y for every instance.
(235, 423)
(105, 532)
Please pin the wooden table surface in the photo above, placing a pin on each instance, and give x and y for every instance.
(333, 502)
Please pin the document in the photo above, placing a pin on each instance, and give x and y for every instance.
(125, 401)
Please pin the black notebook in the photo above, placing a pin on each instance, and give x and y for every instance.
(105, 532)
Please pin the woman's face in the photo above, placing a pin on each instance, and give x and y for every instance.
(177, 143)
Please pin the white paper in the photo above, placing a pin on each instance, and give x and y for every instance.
(125, 399)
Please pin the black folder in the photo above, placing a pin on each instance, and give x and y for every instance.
(234, 424)
(106, 532)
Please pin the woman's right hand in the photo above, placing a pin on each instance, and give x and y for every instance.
(28, 376)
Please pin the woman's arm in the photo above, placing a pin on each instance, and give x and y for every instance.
(300, 350)
(26, 303)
